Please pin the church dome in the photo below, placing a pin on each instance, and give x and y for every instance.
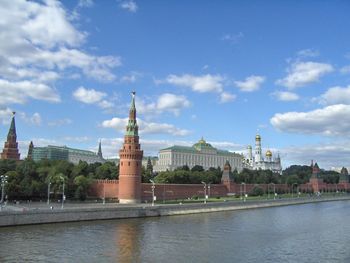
(257, 137)
(268, 153)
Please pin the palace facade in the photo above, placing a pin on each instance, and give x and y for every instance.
(201, 153)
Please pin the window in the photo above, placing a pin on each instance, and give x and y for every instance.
(128, 163)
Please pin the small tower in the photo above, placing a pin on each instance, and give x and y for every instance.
(30, 151)
(99, 153)
(258, 157)
(130, 161)
(10, 151)
(315, 180)
(344, 176)
(250, 153)
(226, 173)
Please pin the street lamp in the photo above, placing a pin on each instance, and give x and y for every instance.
(63, 196)
(274, 191)
(3, 182)
(293, 188)
(209, 190)
(48, 192)
(153, 187)
(244, 188)
(205, 192)
(104, 192)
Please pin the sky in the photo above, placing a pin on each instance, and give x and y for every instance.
(221, 70)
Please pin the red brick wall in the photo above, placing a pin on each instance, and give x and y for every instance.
(107, 188)
(110, 189)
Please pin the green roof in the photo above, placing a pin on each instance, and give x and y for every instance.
(194, 149)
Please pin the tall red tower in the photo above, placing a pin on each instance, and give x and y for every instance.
(10, 151)
(130, 161)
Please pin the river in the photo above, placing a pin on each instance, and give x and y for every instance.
(317, 232)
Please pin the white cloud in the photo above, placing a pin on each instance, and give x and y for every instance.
(227, 97)
(345, 70)
(327, 154)
(203, 83)
(329, 121)
(172, 102)
(308, 53)
(19, 92)
(145, 127)
(60, 122)
(303, 73)
(232, 38)
(336, 95)
(285, 96)
(130, 5)
(5, 115)
(131, 77)
(165, 102)
(36, 119)
(91, 96)
(85, 3)
(251, 83)
(38, 43)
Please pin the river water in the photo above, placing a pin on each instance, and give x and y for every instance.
(318, 232)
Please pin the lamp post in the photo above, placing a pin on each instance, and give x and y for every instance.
(104, 193)
(3, 182)
(274, 191)
(244, 188)
(63, 196)
(209, 190)
(293, 188)
(205, 192)
(48, 192)
(153, 187)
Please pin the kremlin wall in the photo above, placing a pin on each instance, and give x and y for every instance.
(129, 189)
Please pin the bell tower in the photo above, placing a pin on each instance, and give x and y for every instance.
(130, 161)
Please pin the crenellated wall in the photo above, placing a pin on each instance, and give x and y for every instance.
(110, 189)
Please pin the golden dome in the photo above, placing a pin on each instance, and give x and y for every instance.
(268, 153)
(257, 137)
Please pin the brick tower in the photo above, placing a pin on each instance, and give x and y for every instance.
(130, 161)
(10, 151)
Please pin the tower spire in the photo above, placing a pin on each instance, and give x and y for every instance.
(10, 150)
(99, 153)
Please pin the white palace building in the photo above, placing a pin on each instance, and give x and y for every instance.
(201, 153)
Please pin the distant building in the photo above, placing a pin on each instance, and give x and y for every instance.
(10, 151)
(65, 153)
(201, 153)
(257, 161)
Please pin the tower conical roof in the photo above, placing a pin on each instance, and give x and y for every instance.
(132, 128)
(99, 153)
(12, 130)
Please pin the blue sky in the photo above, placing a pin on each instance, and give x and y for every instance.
(218, 69)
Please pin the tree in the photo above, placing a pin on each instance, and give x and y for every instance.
(82, 184)
(197, 168)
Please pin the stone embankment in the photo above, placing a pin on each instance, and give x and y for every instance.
(117, 211)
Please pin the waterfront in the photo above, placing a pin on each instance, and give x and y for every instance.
(317, 232)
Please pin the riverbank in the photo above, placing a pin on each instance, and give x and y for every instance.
(117, 211)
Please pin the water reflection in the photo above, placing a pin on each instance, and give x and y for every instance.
(127, 239)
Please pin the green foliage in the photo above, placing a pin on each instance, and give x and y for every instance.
(29, 180)
(256, 191)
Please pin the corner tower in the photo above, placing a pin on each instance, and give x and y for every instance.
(10, 151)
(130, 161)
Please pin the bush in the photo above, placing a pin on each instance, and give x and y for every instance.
(256, 191)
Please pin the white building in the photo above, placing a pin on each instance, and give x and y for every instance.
(258, 161)
(201, 153)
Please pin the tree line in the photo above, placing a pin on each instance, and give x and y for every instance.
(29, 180)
